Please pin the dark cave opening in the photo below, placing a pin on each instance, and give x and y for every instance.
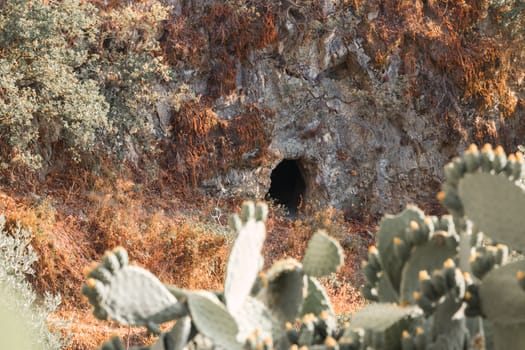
(287, 186)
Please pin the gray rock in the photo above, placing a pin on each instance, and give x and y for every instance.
(362, 143)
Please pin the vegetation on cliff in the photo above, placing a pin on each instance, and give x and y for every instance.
(103, 144)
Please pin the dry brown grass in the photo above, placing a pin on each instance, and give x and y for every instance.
(203, 145)
(445, 35)
(289, 238)
(171, 234)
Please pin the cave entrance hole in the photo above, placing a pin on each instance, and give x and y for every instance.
(288, 185)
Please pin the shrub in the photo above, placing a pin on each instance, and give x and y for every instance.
(131, 69)
(23, 315)
(47, 104)
(77, 80)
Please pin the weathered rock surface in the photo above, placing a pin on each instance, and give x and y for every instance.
(363, 138)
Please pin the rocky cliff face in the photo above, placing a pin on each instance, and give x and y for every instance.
(363, 103)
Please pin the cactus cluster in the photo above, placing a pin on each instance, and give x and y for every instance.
(475, 299)
(276, 309)
(435, 283)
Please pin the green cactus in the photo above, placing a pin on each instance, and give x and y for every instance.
(245, 259)
(438, 283)
(483, 192)
(488, 187)
(500, 217)
(323, 255)
(426, 257)
(129, 294)
(508, 308)
(284, 292)
(383, 322)
(313, 331)
(213, 320)
(254, 317)
(251, 312)
(316, 300)
(485, 258)
(178, 337)
(392, 230)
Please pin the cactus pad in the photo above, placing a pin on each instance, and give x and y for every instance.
(129, 294)
(285, 290)
(177, 338)
(392, 227)
(254, 316)
(486, 186)
(384, 323)
(316, 300)
(213, 320)
(496, 205)
(245, 259)
(429, 257)
(381, 316)
(323, 255)
(503, 308)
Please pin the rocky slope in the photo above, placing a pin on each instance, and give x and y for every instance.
(369, 100)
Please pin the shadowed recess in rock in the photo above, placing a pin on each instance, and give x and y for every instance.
(287, 185)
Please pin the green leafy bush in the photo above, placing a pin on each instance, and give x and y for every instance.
(47, 104)
(131, 69)
(75, 80)
(23, 315)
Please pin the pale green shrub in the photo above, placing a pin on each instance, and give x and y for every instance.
(47, 104)
(23, 315)
(77, 82)
(131, 69)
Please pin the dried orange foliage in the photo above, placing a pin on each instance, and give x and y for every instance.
(78, 215)
(73, 225)
(218, 37)
(205, 145)
(178, 248)
(240, 30)
(444, 34)
(181, 42)
(289, 238)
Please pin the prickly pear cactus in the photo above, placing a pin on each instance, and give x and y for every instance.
(503, 303)
(323, 255)
(245, 259)
(487, 188)
(251, 313)
(409, 245)
(406, 244)
(382, 323)
(129, 294)
(285, 290)
(213, 320)
(392, 245)
(438, 283)
(256, 317)
(316, 300)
